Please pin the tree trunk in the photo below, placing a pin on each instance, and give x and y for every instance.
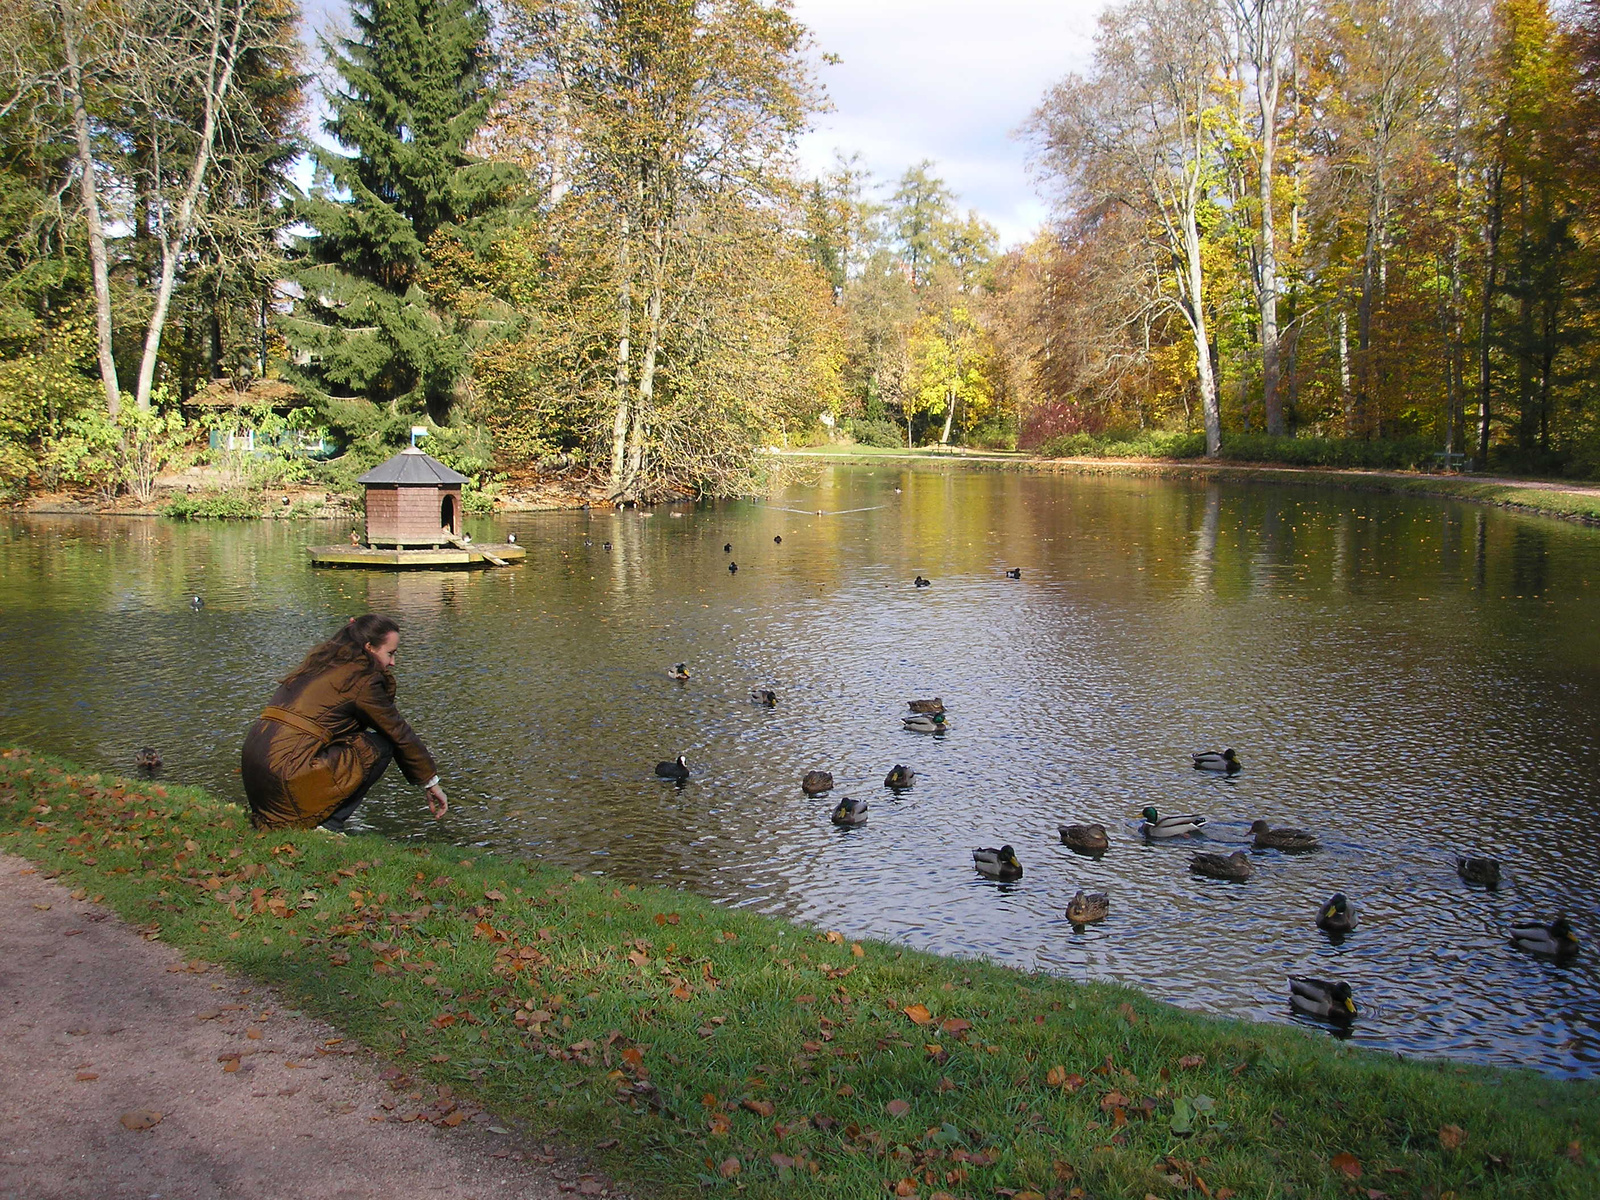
(1271, 401)
(949, 416)
(1486, 321)
(620, 381)
(1196, 312)
(91, 207)
(1346, 396)
(1370, 266)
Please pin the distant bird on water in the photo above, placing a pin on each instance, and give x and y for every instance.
(1088, 907)
(727, 547)
(816, 782)
(1338, 915)
(1485, 871)
(679, 671)
(1222, 866)
(1085, 839)
(608, 547)
(512, 538)
(673, 770)
(1014, 573)
(733, 568)
(1155, 825)
(924, 723)
(355, 538)
(1291, 841)
(899, 777)
(778, 540)
(850, 811)
(196, 603)
(148, 760)
(936, 705)
(919, 581)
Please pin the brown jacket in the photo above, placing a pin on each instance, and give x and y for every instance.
(302, 765)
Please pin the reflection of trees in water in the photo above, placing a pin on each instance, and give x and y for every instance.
(1530, 560)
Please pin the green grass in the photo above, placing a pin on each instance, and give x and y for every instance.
(213, 506)
(712, 1052)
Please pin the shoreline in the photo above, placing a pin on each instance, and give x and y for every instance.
(703, 1050)
(1579, 503)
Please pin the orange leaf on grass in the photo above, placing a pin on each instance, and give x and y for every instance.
(897, 1108)
(918, 1013)
(955, 1026)
(1451, 1136)
(906, 1187)
(761, 1108)
(1347, 1164)
(140, 1119)
(729, 1167)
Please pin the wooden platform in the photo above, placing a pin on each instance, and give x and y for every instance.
(395, 560)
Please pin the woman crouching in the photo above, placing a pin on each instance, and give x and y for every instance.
(330, 733)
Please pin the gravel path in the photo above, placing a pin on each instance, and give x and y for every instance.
(128, 1074)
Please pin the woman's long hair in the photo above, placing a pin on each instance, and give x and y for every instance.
(349, 645)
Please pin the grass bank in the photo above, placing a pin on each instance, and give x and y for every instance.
(702, 1051)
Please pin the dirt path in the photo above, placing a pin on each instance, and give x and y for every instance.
(254, 1100)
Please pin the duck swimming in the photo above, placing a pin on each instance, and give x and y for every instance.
(764, 696)
(1555, 940)
(673, 770)
(733, 568)
(1222, 866)
(899, 777)
(1291, 841)
(1088, 907)
(935, 705)
(1015, 573)
(727, 547)
(925, 723)
(920, 582)
(850, 811)
(1485, 871)
(1086, 839)
(816, 782)
(148, 760)
(1224, 761)
(998, 864)
(1155, 825)
(1326, 999)
(679, 671)
(1337, 915)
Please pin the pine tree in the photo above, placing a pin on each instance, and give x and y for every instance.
(371, 342)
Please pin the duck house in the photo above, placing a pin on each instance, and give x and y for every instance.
(413, 500)
(414, 520)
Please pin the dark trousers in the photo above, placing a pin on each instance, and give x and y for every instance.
(380, 750)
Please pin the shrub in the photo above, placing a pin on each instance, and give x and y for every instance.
(1125, 443)
(881, 432)
(212, 506)
(1392, 454)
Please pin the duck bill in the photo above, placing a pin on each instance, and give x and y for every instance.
(1350, 1007)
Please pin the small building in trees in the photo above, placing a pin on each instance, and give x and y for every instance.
(413, 500)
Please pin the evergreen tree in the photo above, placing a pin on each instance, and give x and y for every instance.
(371, 342)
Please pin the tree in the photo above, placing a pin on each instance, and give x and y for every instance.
(412, 95)
(674, 125)
(1142, 130)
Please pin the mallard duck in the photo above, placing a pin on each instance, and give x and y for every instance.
(850, 811)
(148, 759)
(1338, 915)
(899, 777)
(1327, 999)
(1000, 864)
(925, 723)
(733, 568)
(1224, 761)
(1157, 826)
(1088, 907)
(1088, 839)
(1222, 866)
(920, 582)
(673, 770)
(935, 705)
(1292, 841)
(1555, 940)
(764, 696)
(679, 671)
(1016, 573)
(1478, 870)
(816, 782)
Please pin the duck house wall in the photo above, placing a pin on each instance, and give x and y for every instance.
(410, 516)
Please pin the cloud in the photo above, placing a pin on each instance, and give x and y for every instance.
(947, 81)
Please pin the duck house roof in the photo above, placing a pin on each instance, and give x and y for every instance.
(412, 468)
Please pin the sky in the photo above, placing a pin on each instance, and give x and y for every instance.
(947, 80)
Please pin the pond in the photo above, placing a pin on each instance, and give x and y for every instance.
(1408, 679)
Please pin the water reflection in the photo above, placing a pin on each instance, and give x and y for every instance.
(1407, 679)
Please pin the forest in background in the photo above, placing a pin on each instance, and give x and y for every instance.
(573, 240)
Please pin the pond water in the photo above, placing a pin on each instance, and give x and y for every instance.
(1409, 679)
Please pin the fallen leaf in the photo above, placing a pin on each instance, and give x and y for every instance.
(87, 1076)
(918, 1013)
(833, 937)
(1574, 1151)
(1451, 1136)
(855, 949)
(253, 1034)
(42, 907)
(1347, 1164)
(720, 1124)
(906, 1187)
(1028, 1196)
(494, 894)
(729, 1167)
(1223, 1194)
(761, 1108)
(1127, 1013)
(1190, 1061)
(897, 1108)
(140, 1119)
(845, 1090)
(454, 1119)
(955, 1026)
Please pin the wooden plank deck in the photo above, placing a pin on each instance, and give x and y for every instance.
(471, 555)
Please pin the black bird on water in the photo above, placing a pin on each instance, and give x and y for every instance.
(727, 547)
(608, 547)
(673, 770)
(1014, 573)
(732, 568)
(919, 581)
(778, 540)
(196, 603)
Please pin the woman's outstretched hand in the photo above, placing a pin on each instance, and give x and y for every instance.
(438, 805)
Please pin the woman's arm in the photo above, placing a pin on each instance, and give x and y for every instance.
(377, 709)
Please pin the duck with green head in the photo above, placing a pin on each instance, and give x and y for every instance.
(998, 863)
(1155, 825)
